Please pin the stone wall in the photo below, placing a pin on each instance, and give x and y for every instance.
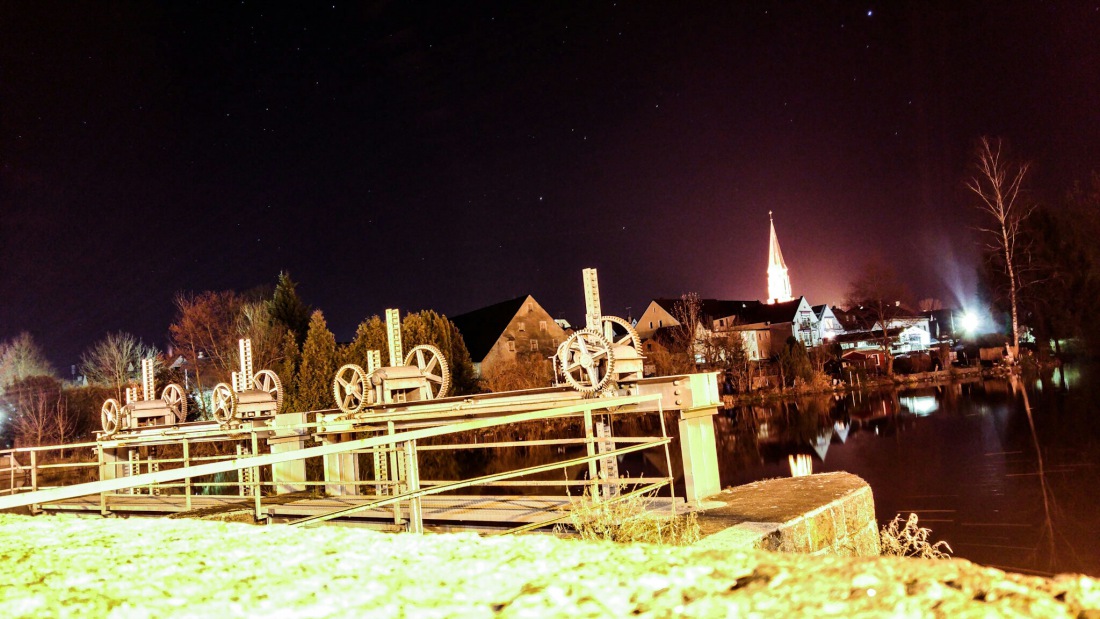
(830, 513)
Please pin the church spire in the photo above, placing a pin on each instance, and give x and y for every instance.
(779, 285)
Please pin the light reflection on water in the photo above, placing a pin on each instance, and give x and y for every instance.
(959, 455)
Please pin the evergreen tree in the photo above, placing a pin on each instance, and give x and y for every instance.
(313, 381)
(370, 335)
(287, 307)
(430, 327)
(288, 369)
(794, 362)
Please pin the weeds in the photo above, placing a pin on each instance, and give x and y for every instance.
(910, 540)
(629, 520)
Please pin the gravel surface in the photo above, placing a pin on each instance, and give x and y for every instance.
(58, 566)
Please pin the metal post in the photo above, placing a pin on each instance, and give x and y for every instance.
(34, 479)
(395, 473)
(187, 481)
(412, 477)
(257, 489)
(240, 472)
(590, 449)
(609, 466)
(668, 457)
(393, 335)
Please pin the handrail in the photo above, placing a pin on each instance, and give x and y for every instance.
(236, 464)
(415, 494)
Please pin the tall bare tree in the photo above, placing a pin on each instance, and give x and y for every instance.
(690, 334)
(114, 361)
(998, 184)
(875, 297)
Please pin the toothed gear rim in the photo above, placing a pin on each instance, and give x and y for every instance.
(429, 358)
(225, 403)
(351, 389)
(583, 353)
(631, 338)
(176, 401)
(266, 380)
(109, 416)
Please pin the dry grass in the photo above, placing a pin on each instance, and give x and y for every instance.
(629, 520)
(910, 540)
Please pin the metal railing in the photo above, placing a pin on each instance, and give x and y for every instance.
(171, 469)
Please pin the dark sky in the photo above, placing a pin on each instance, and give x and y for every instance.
(451, 155)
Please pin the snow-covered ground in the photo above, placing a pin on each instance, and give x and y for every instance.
(90, 567)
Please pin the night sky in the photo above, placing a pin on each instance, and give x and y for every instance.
(451, 155)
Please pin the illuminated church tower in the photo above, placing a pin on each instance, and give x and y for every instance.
(779, 285)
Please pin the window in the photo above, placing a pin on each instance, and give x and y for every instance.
(542, 325)
(650, 324)
(660, 323)
(511, 346)
(534, 345)
(522, 327)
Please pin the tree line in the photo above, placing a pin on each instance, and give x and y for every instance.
(288, 337)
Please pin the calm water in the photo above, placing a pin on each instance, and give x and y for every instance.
(963, 457)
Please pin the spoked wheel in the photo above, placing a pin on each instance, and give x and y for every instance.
(268, 381)
(586, 361)
(623, 333)
(433, 365)
(351, 390)
(225, 403)
(176, 401)
(110, 416)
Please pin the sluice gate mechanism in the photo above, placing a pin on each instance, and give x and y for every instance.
(142, 408)
(422, 375)
(251, 396)
(605, 356)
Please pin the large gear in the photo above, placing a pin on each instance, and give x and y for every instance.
(586, 361)
(225, 403)
(176, 401)
(630, 338)
(429, 358)
(351, 389)
(110, 416)
(268, 381)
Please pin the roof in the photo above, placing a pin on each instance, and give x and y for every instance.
(482, 327)
(747, 312)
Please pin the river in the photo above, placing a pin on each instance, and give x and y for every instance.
(963, 456)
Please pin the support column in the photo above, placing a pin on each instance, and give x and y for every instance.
(700, 453)
(288, 476)
(341, 467)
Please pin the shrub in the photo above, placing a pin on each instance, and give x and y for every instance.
(629, 520)
(910, 540)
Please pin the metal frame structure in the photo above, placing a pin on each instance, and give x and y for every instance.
(157, 469)
(142, 408)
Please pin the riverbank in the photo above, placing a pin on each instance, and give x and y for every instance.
(57, 566)
(764, 396)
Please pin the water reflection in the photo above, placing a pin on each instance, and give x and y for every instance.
(1005, 484)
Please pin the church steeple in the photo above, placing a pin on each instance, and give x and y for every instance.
(779, 285)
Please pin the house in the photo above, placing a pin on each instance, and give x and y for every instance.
(761, 325)
(509, 330)
(828, 325)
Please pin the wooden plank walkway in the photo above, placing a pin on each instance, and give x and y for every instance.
(476, 511)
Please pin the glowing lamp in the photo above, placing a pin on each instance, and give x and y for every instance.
(970, 322)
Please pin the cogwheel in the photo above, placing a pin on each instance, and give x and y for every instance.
(266, 380)
(351, 389)
(587, 362)
(433, 366)
(109, 416)
(176, 401)
(630, 338)
(225, 403)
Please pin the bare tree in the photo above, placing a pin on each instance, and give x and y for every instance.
(527, 371)
(21, 357)
(690, 333)
(998, 184)
(875, 297)
(41, 413)
(114, 360)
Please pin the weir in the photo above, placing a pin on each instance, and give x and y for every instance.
(253, 459)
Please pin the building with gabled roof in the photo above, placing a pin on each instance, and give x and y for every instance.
(508, 330)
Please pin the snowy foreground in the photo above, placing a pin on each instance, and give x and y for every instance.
(90, 567)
